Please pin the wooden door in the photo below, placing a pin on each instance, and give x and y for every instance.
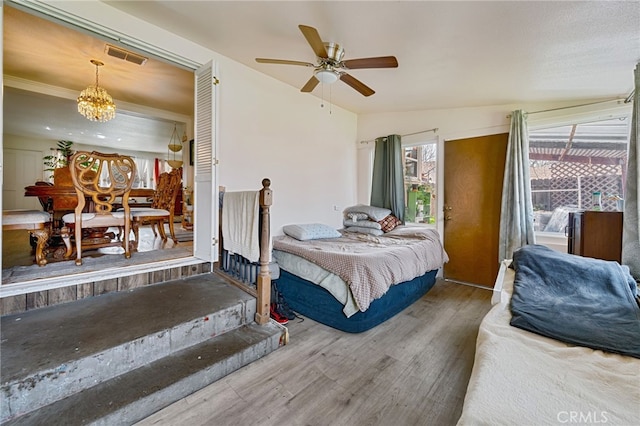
(473, 173)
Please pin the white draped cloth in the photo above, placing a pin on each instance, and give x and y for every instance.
(240, 223)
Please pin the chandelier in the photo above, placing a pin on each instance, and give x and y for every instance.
(94, 102)
(175, 145)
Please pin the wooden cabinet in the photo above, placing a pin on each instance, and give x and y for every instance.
(595, 234)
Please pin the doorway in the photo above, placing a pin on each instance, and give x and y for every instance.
(150, 119)
(473, 174)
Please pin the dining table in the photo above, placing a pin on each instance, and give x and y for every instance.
(64, 198)
(61, 199)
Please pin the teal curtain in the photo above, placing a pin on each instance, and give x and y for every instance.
(631, 218)
(387, 188)
(516, 215)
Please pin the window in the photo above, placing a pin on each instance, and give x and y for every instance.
(568, 164)
(420, 173)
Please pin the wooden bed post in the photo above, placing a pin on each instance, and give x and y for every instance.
(263, 284)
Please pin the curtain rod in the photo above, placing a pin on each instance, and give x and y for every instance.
(435, 129)
(573, 106)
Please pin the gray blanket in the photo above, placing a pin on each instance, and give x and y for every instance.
(579, 300)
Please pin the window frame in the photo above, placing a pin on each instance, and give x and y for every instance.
(418, 141)
(581, 114)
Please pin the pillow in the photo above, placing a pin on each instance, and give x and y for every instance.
(357, 216)
(310, 231)
(375, 213)
(361, 230)
(389, 223)
(363, 223)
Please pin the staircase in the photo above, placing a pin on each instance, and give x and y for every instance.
(119, 357)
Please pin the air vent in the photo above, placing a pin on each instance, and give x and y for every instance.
(125, 55)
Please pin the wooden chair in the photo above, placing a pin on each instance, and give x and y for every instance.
(103, 179)
(37, 222)
(162, 208)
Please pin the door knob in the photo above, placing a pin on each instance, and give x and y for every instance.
(447, 208)
(447, 218)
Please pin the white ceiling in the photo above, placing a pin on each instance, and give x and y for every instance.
(451, 54)
(45, 67)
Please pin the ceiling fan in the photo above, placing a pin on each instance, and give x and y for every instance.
(330, 67)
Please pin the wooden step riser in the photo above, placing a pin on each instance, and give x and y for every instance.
(12, 305)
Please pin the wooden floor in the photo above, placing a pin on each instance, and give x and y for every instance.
(410, 370)
(17, 251)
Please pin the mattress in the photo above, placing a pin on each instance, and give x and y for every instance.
(317, 303)
(520, 377)
(368, 264)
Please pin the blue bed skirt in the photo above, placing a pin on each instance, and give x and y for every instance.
(313, 301)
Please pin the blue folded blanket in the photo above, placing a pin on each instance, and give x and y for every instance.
(579, 300)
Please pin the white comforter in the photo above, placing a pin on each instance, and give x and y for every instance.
(521, 378)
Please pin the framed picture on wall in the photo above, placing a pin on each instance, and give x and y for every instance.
(191, 152)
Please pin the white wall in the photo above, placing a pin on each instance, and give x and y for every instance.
(265, 129)
(280, 133)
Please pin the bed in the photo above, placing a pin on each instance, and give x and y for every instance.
(354, 281)
(589, 372)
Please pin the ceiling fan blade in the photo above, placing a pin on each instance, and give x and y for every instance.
(357, 84)
(284, 62)
(311, 84)
(313, 38)
(379, 62)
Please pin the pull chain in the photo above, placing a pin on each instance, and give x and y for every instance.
(330, 100)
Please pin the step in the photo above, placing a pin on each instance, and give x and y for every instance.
(51, 353)
(136, 395)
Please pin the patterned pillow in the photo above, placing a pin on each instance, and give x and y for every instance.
(311, 231)
(389, 223)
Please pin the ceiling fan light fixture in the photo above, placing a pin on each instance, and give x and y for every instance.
(94, 102)
(330, 66)
(326, 76)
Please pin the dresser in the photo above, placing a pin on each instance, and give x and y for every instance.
(595, 234)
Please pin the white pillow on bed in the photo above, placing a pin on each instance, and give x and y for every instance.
(362, 230)
(375, 213)
(361, 223)
(310, 231)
